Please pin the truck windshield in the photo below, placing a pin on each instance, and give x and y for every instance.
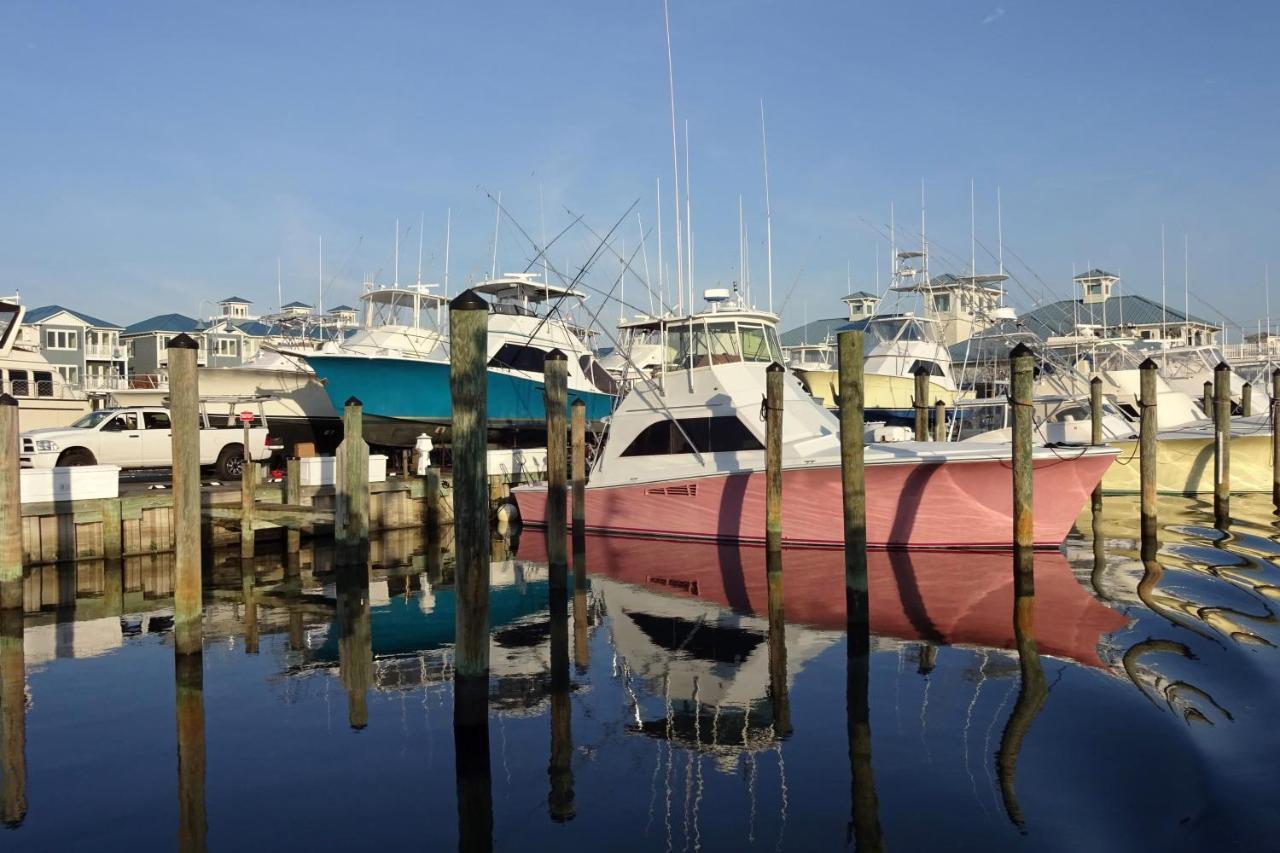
(93, 419)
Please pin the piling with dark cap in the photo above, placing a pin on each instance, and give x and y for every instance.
(184, 421)
(940, 421)
(1022, 370)
(1246, 400)
(920, 402)
(10, 507)
(774, 375)
(556, 388)
(1147, 428)
(468, 358)
(351, 484)
(1095, 432)
(1275, 437)
(1222, 444)
(578, 442)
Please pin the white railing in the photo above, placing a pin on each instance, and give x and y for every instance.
(104, 352)
(25, 389)
(1250, 351)
(94, 382)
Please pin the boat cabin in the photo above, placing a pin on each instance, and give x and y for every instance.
(412, 306)
(718, 336)
(810, 356)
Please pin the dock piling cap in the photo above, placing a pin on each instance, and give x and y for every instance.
(1275, 373)
(468, 300)
(1222, 365)
(353, 400)
(183, 341)
(7, 400)
(1148, 364)
(1097, 380)
(556, 355)
(1020, 351)
(774, 367)
(578, 402)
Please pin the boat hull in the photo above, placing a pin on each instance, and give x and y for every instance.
(956, 504)
(418, 391)
(1184, 466)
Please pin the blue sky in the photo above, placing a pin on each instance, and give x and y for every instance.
(158, 154)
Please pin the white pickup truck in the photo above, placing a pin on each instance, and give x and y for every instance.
(139, 437)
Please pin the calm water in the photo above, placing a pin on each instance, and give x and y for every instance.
(1136, 711)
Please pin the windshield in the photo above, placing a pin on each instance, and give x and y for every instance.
(975, 420)
(93, 419)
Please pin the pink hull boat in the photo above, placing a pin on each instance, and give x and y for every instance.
(956, 504)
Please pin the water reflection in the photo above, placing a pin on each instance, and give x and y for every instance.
(13, 720)
(189, 686)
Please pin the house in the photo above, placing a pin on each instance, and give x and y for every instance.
(295, 309)
(85, 350)
(343, 315)
(146, 344)
(235, 308)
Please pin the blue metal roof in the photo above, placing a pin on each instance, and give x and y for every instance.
(164, 323)
(44, 312)
(295, 305)
(813, 333)
(1060, 318)
(237, 300)
(1094, 273)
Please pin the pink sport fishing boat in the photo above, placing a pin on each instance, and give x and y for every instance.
(684, 456)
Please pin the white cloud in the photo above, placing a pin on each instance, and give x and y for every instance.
(994, 16)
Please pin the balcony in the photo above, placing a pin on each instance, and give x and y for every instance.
(99, 352)
(93, 382)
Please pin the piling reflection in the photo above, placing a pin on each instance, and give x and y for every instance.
(355, 642)
(13, 719)
(864, 818)
(779, 698)
(560, 800)
(189, 683)
(1033, 690)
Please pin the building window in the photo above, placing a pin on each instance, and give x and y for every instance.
(1095, 290)
(70, 373)
(516, 357)
(59, 340)
(942, 302)
(226, 347)
(709, 435)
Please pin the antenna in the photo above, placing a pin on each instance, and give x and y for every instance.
(924, 242)
(879, 292)
(396, 278)
(644, 253)
(448, 233)
(675, 156)
(973, 234)
(893, 248)
(422, 219)
(497, 220)
(1163, 311)
(768, 208)
(1000, 241)
(1266, 283)
(1186, 286)
(742, 275)
(279, 289)
(320, 288)
(688, 216)
(662, 278)
(542, 228)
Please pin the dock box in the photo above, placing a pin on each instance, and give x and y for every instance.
(318, 470)
(76, 483)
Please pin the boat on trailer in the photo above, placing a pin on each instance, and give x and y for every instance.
(684, 455)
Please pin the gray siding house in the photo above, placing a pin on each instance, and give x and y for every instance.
(86, 350)
(146, 345)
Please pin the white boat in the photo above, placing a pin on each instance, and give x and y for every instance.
(44, 398)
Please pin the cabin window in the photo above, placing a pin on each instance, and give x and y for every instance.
(720, 434)
(517, 357)
(724, 343)
(758, 344)
(933, 367)
(44, 383)
(18, 384)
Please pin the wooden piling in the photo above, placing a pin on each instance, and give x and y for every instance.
(1147, 428)
(578, 442)
(189, 687)
(920, 402)
(779, 695)
(112, 530)
(556, 375)
(184, 417)
(774, 375)
(1275, 436)
(1246, 400)
(1208, 400)
(468, 358)
(351, 484)
(853, 481)
(560, 798)
(940, 421)
(10, 506)
(1222, 444)
(248, 486)
(13, 719)
(431, 516)
(293, 497)
(1095, 433)
(1022, 370)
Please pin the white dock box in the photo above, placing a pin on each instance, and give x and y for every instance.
(526, 463)
(318, 470)
(76, 483)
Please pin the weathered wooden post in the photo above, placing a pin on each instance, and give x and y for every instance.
(774, 375)
(355, 641)
(468, 357)
(1246, 400)
(1022, 369)
(940, 421)
(853, 482)
(560, 769)
(248, 485)
(1222, 444)
(578, 440)
(184, 417)
(189, 686)
(556, 376)
(1208, 400)
(13, 719)
(1148, 475)
(351, 487)
(1095, 433)
(920, 402)
(293, 497)
(10, 507)
(112, 530)
(1275, 436)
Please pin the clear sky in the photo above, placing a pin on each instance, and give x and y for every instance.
(157, 154)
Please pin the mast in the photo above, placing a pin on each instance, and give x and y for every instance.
(1186, 287)
(675, 155)
(422, 218)
(497, 220)
(320, 275)
(279, 289)
(396, 276)
(448, 234)
(893, 249)
(924, 242)
(973, 235)
(768, 208)
(1000, 242)
(662, 278)
(741, 264)
(1163, 310)
(688, 217)
(542, 228)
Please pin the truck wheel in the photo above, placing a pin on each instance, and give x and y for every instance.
(75, 456)
(230, 462)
